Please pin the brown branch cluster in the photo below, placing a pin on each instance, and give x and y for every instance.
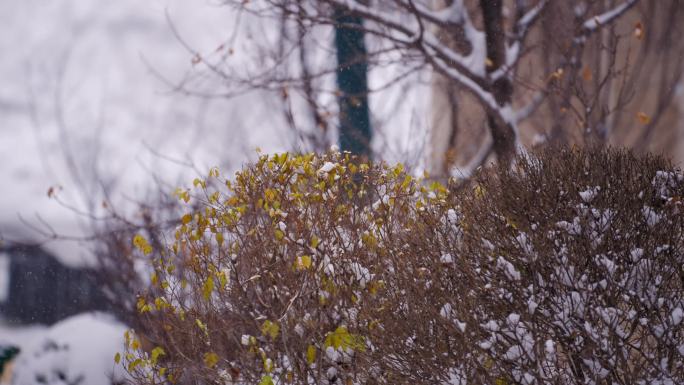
(565, 269)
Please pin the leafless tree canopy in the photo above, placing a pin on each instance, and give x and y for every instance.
(524, 72)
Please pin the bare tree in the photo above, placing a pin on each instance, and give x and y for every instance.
(481, 49)
(583, 79)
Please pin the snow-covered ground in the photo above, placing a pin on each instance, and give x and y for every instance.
(19, 335)
(79, 349)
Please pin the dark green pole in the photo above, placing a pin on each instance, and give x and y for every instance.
(352, 83)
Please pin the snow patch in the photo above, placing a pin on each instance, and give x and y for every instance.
(677, 316)
(446, 259)
(79, 349)
(589, 195)
(326, 168)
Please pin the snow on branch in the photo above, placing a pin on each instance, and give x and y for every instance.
(440, 65)
(454, 14)
(531, 16)
(524, 112)
(598, 21)
(471, 66)
(522, 27)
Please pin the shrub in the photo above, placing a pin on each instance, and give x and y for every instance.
(566, 269)
(580, 255)
(318, 269)
(264, 283)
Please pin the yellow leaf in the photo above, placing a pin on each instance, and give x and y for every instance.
(374, 286)
(270, 329)
(156, 353)
(315, 241)
(208, 287)
(270, 194)
(310, 354)
(201, 325)
(134, 364)
(407, 182)
(398, 169)
(341, 338)
(268, 365)
(117, 358)
(160, 303)
(223, 279)
(213, 198)
(185, 196)
(479, 191)
(141, 243)
(210, 359)
(303, 262)
(266, 380)
(281, 159)
(187, 218)
(214, 172)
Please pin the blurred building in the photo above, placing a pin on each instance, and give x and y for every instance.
(35, 287)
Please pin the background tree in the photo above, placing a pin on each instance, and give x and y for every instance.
(581, 80)
(490, 51)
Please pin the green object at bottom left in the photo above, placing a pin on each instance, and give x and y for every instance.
(7, 353)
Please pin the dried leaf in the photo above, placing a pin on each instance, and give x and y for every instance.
(639, 30)
(643, 118)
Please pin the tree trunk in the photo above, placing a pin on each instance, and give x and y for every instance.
(503, 133)
(355, 129)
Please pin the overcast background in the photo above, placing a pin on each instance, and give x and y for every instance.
(86, 102)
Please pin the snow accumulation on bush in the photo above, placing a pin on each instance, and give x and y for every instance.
(564, 269)
(596, 242)
(76, 351)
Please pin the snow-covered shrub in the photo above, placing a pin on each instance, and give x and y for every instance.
(566, 269)
(574, 262)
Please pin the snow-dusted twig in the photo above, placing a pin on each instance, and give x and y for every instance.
(594, 23)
